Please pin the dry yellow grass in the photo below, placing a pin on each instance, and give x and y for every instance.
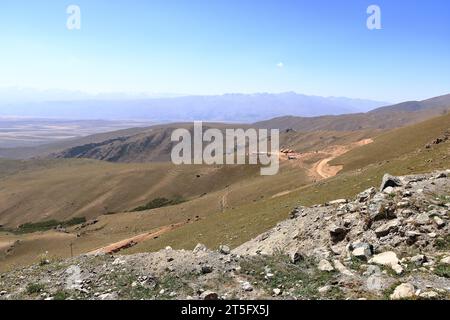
(217, 189)
(395, 143)
(226, 205)
(88, 188)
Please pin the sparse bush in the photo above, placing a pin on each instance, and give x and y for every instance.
(355, 263)
(443, 243)
(47, 225)
(34, 288)
(442, 270)
(158, 203)
(304, 277)
(61, 295)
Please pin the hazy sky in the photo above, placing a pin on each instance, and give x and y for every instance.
(211, 47)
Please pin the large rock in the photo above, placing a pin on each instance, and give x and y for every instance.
(389, 259)
(108, 296)
(439, 222)
(337, 233)
(390, 181)
(372, 270)
(223, 249)
(324, 289)
(412, 236)
(200, 248)
(422, 219)
(446, 260)
(325, 265)
(206, 268)
(403, 291)
(209, 295)
(296, 256)
(429, 295)
(366, 194)
(342, 269)
(73, 280)
(419, 259)
(387, 228)
(246, 286)
(381, 211)
(388, 190)
(362, 251)
(337, 202)
(385, 258)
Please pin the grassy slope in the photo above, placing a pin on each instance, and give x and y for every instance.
(317, 140)
(234, 186)
(395, 116)
(38, 190)
(249, 211)
(394, 143)
(234, 227)
(89, 188)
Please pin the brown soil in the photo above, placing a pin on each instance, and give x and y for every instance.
(130, 242)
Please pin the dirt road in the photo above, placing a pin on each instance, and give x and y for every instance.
(323, 170)
(131, 242)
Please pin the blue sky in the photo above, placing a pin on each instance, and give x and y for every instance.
(215, 47)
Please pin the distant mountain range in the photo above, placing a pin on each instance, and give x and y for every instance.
(228, 107)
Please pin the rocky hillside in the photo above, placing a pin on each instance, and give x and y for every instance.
(390, 243)
(151, 145)
(154, 145)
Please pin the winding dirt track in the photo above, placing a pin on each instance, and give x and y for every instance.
(321, 169)
(131, 242)
(324, 170)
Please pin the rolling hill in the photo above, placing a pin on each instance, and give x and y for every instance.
(247, 221)
(62, 189)
(48, 148)
(396, 143)
(247, 203)
(152, 143)
(382, 118)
